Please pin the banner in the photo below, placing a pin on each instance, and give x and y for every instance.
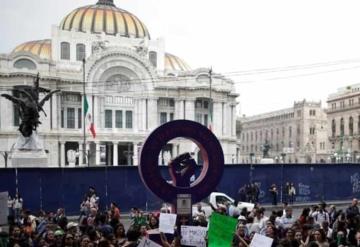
(221, 230)
(193, 236)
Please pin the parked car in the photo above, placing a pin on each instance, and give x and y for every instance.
(219, 198)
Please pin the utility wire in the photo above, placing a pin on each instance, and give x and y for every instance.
(184, 79)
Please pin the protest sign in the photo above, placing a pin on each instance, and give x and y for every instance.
(147, 243)
(221, 230)
(167, 223)
(261, 241)
(193, 236)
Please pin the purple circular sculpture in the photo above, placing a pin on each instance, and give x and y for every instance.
(211, 152)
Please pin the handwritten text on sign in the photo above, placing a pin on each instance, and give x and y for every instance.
(193, 236)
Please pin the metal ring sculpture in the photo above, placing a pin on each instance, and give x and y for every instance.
(210, 149)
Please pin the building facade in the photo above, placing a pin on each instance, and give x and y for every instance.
(294, 135)
(132, 86)
(343, 115)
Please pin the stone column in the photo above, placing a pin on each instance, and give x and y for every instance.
(218, 121)
(98, 118)
(115, 154)
(135, 154)
(152, 114)
(179, 109)
(55, 111)
(87, 161)
(62, 153)
(190, 110)
(81, 154)
(7, 111)
(97, 154)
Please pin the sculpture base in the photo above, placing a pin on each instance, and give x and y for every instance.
(31, 143)
(28, 158)
(267, 161)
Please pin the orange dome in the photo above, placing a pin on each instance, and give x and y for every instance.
(105, 17)
(40, 48)
(173, 62)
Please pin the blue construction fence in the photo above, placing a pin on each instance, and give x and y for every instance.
(51, 188)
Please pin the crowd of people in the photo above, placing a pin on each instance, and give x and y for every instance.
(251, 192)
(321, 225)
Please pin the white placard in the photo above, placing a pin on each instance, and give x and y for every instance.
(261, 241)
(193, 236)
(148, 243)
(4, 211)
(167, 223)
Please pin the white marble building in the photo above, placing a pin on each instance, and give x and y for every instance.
(343, 114)
(295, 135)
(132, 84)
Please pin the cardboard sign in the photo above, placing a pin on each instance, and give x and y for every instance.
(193, 236)
(148, 243)
(4, 211)
(261, 241)
(221, 230)
(167, 223)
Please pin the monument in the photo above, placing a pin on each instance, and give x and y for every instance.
(28, 151)
(182, 192)
(266, 158)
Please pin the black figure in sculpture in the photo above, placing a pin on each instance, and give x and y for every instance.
(29, 105)
(181, 169)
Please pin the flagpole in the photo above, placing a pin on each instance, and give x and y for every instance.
(84, 117)
(210, 98)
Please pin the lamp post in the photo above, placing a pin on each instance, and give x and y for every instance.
(251, 167)
(348, 156)
(335, 157)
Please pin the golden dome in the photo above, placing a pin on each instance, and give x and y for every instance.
(40, 48)
(105, 17)
(175, 63)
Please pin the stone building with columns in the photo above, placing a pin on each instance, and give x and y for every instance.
(343, 114)
(132, 85)
(295, 135)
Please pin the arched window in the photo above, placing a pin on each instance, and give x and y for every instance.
(153, 58)
(333, 128)
(351, 126)
(25, 63)
(80, 52)
(65, 50)
(342, 128)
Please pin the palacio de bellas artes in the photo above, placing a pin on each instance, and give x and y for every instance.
(105, 56)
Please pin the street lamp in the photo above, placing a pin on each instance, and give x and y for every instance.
(336, 157)
(348, 156)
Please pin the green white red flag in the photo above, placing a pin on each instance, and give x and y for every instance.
(89, 121)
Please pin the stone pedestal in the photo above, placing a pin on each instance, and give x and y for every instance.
(28, 152)
(28, 158)
(267, 161)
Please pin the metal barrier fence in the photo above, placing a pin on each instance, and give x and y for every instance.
(51, 188)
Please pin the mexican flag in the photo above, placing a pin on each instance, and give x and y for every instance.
(210, 123)
(89, 121)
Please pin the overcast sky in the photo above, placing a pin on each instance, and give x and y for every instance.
(282, 51)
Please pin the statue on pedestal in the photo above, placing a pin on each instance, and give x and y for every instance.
(28, 150)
